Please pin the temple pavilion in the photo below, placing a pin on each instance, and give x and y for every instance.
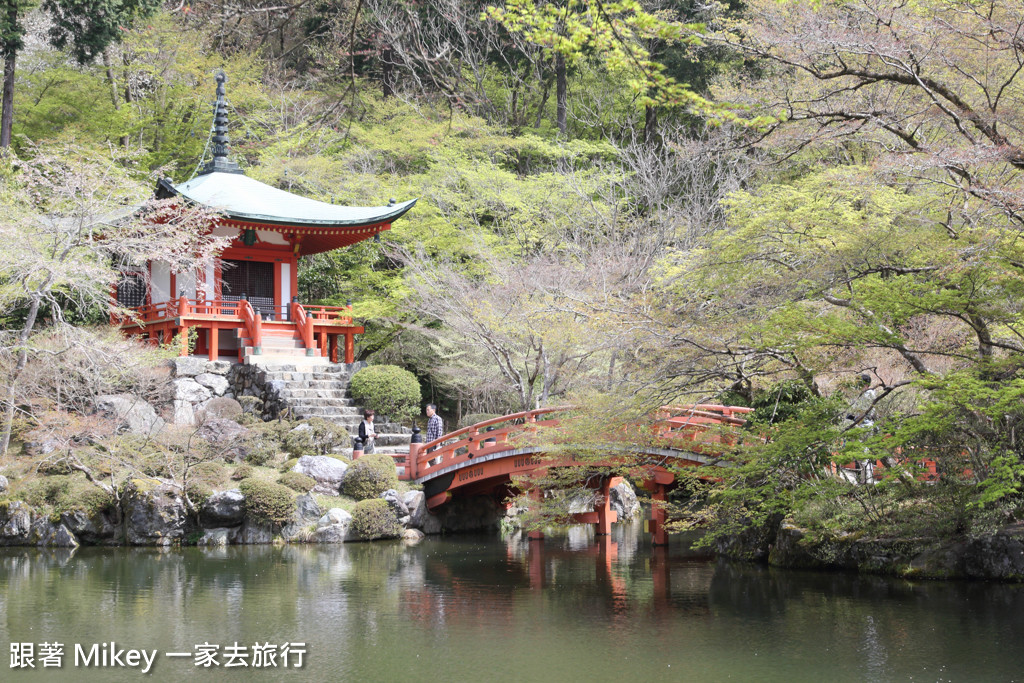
(246, 306)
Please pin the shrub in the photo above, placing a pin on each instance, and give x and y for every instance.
(268, 502)
(289, 464)
(319, 439)
(370, 476)
(388, 390)
(297, 481)
(241, 472)
(374, 518)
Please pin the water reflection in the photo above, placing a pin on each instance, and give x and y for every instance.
(573, 606)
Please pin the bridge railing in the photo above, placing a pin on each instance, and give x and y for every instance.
(480, 439)
(676, 427)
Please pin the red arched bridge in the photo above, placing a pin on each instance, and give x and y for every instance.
(484, 458)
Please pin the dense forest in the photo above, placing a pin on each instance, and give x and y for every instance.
(622, 205)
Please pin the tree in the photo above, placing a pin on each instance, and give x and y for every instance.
(86, 26)
(71, 224)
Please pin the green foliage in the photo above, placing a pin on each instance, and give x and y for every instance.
(60, 493)
(320, 438)
(388, 390)
(473, 418)
(267, 501)
(373, 519)
(242, 471)
(297, 481)
(370, 476)
(89, 26)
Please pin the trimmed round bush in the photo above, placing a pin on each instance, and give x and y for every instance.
(375, 518)
(370, 476)
(268, 502)
(388, 390)
(297, 481)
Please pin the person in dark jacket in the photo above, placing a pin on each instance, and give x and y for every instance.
(367, 432)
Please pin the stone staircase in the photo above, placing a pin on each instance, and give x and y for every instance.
(281, 343)
(321, 390)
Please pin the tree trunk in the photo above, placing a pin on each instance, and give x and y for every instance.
(7, 118)
(560, 81)
(26, 331)
(543, 102)
(108, 64)
(387, 79)
(650, 126)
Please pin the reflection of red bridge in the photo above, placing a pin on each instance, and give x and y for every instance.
(483, 459)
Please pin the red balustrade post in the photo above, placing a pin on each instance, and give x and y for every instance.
(415, 446)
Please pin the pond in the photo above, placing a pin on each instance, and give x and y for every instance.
(472, 608)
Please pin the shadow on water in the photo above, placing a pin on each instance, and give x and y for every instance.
(572, 607)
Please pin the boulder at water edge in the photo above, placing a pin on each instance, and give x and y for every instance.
(327, 471)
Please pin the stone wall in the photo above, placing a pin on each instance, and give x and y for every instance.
(195, 383)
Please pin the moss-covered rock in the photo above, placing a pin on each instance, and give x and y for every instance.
(370, 476)
(373, 519)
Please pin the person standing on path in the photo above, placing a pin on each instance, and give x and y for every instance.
(367, 432)
(435, 427)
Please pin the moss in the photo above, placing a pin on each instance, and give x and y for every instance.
(370, 476)
(297, 481)
(242, 471)
(289, 464)
(267, 501)
(372, 519)
(321, 437)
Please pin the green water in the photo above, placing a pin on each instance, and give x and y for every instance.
(481, 609)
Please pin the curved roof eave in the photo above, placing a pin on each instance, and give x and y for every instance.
(245, 199)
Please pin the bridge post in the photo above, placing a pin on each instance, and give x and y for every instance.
(415, 446)
(656, 524)
(605, 514)
(536, 495)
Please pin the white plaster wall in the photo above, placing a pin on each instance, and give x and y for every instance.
(210, 286)
(271, 237)
(286, 283)
(187, 284)
(160, 283)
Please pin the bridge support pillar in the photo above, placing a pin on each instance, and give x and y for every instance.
(656, 524)
(536, 497)
(605, 514)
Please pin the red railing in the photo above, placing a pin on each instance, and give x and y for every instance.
(253, 322)
(330, 315)
(684, 429)
(304, 323)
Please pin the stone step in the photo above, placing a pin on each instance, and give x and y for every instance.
(297, 395)
(383, 440)
(296, 380)
(321, 400)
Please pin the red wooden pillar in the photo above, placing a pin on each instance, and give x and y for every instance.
(350, 348)
(605, 515)
(333, 342)
(656, 525)
(536, 495)
(323, 343)
(214, 342)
